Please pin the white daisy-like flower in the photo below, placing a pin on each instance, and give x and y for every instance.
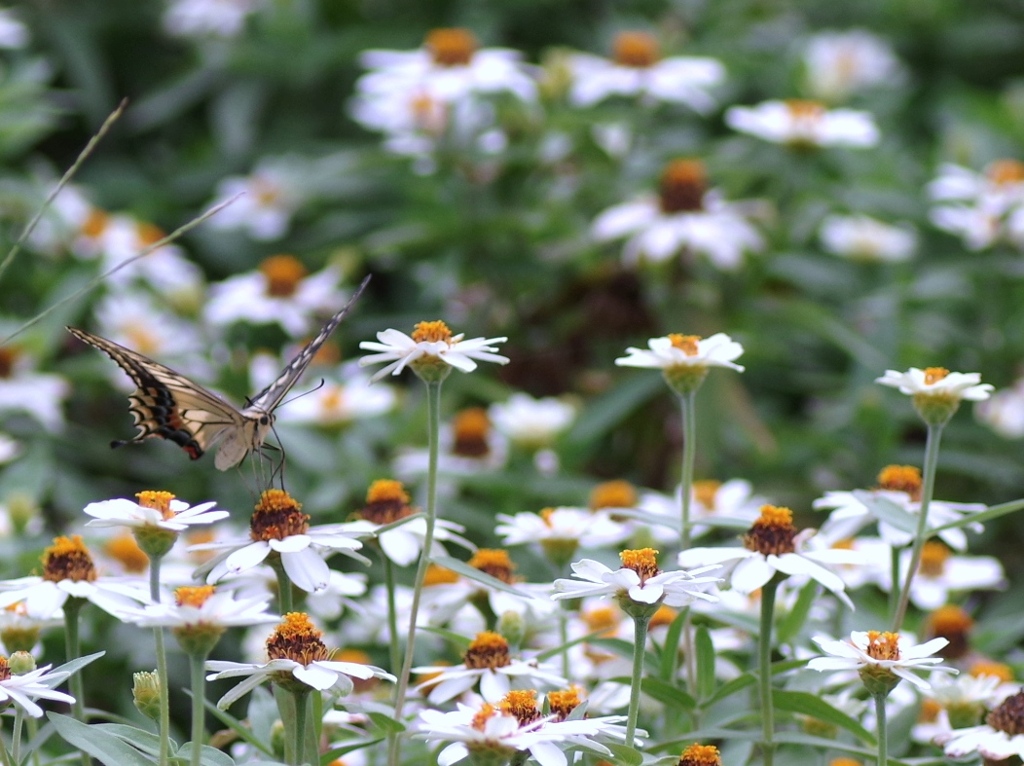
(732, 500)
(204, 607)
(997, 189)
(9, 450)
(677, 350)
(13, 32)
(295, 649)
(133, 319)
(637, 69)
(941, 574)
(938, 382)
(1003, 412)
(773, 546)
(963, 699)
(279, 527)
(861, 238)
(153, 509)
(532, 423)
(685, 217)
(639, 579)
(999, 738)
(37, 394)
(804, 123)
(882, 651)
(23, 688)
(560, 531)
(430, 344)
(488, 660)
(270, 195)
(201, 18)
(345, 395)
(839, 64)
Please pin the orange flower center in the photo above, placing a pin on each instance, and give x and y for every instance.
(613, 494)
(933, 375)
(193, 595)
(683, 185)
(706, 491)
(949, 620)
(602, 618)
(1005, 172)
(386, 502)
(283, 274)
(483, 715)
(126, 550)
(805, 109)
(158, 500)
(901, 478)
(488, 650)
(688, 344)
(635, 49)
(521, 703)
(985, 668)
(562, 703)
(68, 559)
(930, 710)
(495, 562)
(700, 755)
(772, 533)
(277, 516)
(149, 233)
(297, 639)
(883, 646)
(643, 561)
(451, 46)
(933, 559)
(431, 332)
(437, 575)
(8, 357)
(95, 224)
(663, 616)
(471, 428)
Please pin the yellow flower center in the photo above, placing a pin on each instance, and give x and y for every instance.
(933, 559)
(193, 595)
(688, 344)
(431, 332)
(158, 501)
(949, 619)
(297, 639)
(488, 650)
(483, 715)
(1009, 716)
(933, 375)
(561, 703)
(471, 428)
(95, 224)
(602, 618)
(358, 657)
(700, 755)
(68, 559)
(1005, 172)
(805, 109)
(706, 491)
(386, 502)
(8, 357)
(663, 616)
(428, 114)
(149, 233)
(683, 185)
(986, 668)
(643, 561)
(635, 49)
(613, 494)
(883, 646)
(437, 575)
(495, 562)
(277, 516)
(901, 478)
(521, 703)
(845, 762)
(772, 533)
(930, 710)
(5, 669)
(266, 191)
(126, 550)
(451, 46)
(283, 274)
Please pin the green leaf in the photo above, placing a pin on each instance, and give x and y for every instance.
(143, 740)
(993, 512)
(386, 723)
(667, 693)
(256, 714)
(799, 738)
(670, 650)
(743, 681)
(101, 745)
(625, 756)
(790, 625)
(547, 654)
(207, 755)
(459, 641)
(464, 569)
(705, 653)
(814, 706)
(886, 510)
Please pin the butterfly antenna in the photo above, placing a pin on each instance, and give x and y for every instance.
(315, 388)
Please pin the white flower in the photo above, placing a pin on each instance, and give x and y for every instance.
(430, 342)
(686, 217)
(838, 64)
(941, 574)
(555, 526)
(44, 597)
(403, 543)
(344, 396)
(270, 196)
(773, 546)
(1003, 412)
(23, 688)
(998, 189)
(888, 651)
(637, 69)
(804, 123)
(639, 579)
(675, 350)
(22, 389)
(936, 381)
(199, 18)
(13, 33)
(997, 739)
(154, 509)
(711, 501)
(532, 423)
(280, 291)
(861, 238)
(224, 608)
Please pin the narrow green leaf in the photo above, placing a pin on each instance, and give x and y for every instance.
(464, 569)
(143, 740)
(667, 693)
(743, 681)
(886, 510)
(705, 652)
(669, 660)
(625, 756)
(993, 512)
(460, 642)
(547, 654)
(386, 723)
(814, 706)
(799, 738)
(101, 745)
(790, 625)
(208, 756)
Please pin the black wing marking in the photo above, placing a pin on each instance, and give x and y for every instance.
(271, 396)
(168, 405)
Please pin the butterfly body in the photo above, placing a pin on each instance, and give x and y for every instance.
(169, 406)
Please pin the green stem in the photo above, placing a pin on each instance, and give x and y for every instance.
(301, 721)
(5, 757)
(433, 432)
(687, 402)
(894, 577)
(19, 720)
(640, 624)
(389, 581)
(764, 668)
(563, 637)
(883, 737)
(72, 650)
(284, 585)
(161, 668)
(931, 461)
(33, 729)
(197, 663)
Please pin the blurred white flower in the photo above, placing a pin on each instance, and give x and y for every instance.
(804, 123)
(733, 500)
(1003, 412)
(430, 343)
(37, 394)
(343, 395)
(839, 64)
(685, 218)
(280, 291)
(532, 423)
(999, 738)
(559, 530)
(270, 195)
(200, 18)
(937, 382)
(13, 32)
(468, 445)
(895, 653)
(637, 69)
(677, 350)
(982, 208)
(861, 238)
(153, 509)
(941, 574)
(204, 607)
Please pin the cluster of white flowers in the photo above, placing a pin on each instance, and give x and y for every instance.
(984, 208)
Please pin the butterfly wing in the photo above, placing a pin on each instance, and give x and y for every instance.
(170, 406)
(266, 401)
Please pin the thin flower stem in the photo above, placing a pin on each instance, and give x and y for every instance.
(19, 720)
(301, 721)
(931, 461)
(389, 581)
(764, 668)
(563, 637)
(433, 434)
(883, 736)
(687, 403)
(33, 729)
(894, 577)
(161, 667)
(72, 650)
(640, 624)
(197, 663)
(5, 757)
(284, 586)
